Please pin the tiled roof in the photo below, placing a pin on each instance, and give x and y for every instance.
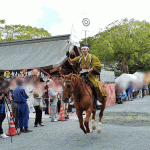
(34, 53)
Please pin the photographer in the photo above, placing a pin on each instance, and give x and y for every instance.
(2, 111)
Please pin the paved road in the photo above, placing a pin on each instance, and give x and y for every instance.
(124, 127)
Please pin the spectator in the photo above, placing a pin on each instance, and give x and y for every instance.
(143, 93)
(149, 88)
(49, 100)
(58, 105)
(2, 112)
(70, 106)
(119, 93)
(65, 108)
(130, 91)
(145, 89)
(37, 94)
(46, 98)
(53, 96)
(21, 97)
(29, 91)
(59, 90)
(60, 94)
(49, 107)
(14, 105)
(119, 97)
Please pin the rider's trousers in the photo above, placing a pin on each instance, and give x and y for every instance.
(87, 81)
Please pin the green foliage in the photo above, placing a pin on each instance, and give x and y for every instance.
(20, 32)
(125, 44)
(2, 21)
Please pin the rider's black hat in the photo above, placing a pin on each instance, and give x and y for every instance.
(84, 45)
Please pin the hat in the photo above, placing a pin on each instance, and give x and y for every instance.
(84, 46)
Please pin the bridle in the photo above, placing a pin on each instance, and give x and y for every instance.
(70, 87)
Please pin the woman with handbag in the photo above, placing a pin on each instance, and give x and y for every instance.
(38, 105)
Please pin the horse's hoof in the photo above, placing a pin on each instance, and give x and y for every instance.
(94, 127)
(99, 131)
(91, 131)
(85, 131)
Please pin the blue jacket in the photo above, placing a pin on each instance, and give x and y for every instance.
(20, 95)
(130, 88)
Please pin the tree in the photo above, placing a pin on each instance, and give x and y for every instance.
(125, 45)
(20, 32)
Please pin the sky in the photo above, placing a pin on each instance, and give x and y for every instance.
(61, 17)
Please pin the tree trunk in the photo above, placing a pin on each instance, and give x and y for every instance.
(124, 65)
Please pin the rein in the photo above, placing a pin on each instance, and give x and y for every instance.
(71, 88)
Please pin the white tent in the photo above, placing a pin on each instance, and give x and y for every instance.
(140, 76)
(124, 81)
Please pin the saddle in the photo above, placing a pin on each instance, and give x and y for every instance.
(90, 84)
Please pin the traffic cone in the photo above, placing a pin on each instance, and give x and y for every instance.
(11, 130)
(61, 114)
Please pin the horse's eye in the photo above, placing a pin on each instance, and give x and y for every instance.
(68, 86)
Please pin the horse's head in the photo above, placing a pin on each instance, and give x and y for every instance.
(67, 86)
(71, 86)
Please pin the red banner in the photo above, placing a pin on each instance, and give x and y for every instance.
(111, 99)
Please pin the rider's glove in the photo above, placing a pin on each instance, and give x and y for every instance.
(67, 54)
(84, 73)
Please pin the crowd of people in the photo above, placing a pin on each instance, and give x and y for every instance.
(130, 92)
(32, 95)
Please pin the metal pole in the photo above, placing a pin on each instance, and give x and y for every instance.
(85, 37)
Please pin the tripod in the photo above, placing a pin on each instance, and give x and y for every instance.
(8, 110)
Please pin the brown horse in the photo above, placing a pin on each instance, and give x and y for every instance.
(83, 100)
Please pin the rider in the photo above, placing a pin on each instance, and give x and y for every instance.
(90, 67)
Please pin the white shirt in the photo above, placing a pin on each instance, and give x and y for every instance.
(84, 70)
(85, 57)
(53, 93)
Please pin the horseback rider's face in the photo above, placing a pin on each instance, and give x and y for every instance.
(85, 51)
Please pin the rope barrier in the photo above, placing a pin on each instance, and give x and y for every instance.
(50, 76)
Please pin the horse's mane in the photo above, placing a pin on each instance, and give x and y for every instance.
(82, 87)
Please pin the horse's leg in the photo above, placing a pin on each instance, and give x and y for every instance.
(101, 114)
(93, 116)
(86, 122)
(80, 117)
